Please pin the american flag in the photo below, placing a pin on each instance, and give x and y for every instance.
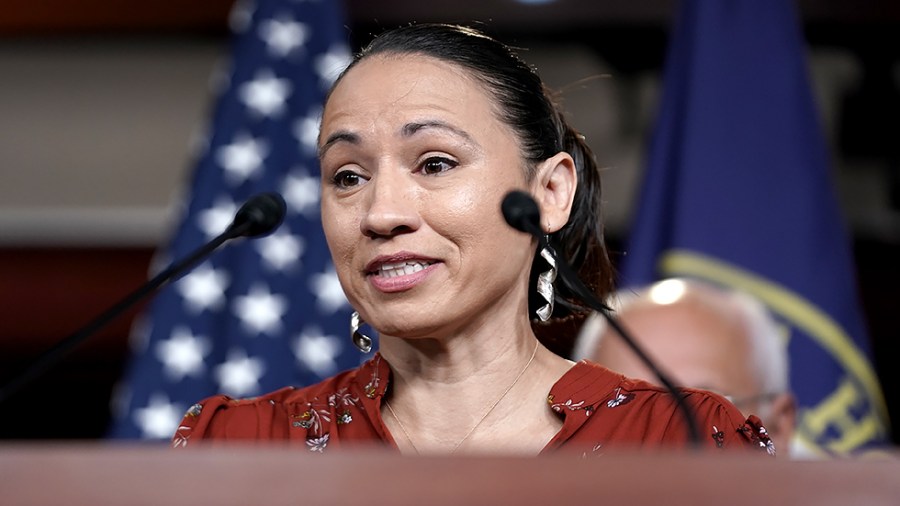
(258, 314)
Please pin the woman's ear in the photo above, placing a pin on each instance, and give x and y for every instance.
(554, 190)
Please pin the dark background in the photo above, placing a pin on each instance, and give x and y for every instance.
(48, 290)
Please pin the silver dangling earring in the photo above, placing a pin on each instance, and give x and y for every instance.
(360, 340)
(545, 283)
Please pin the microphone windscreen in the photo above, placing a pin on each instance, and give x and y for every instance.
(260, 215)
(521, 212)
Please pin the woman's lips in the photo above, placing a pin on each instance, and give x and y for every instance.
(397, 273)
(395, 269)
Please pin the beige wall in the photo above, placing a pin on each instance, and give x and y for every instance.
(95, 137)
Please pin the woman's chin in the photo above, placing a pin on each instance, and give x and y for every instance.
(410, 328)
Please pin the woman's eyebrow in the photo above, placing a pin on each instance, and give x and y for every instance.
(336, 137)
(410, 129)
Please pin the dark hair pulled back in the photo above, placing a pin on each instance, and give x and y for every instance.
(528, 107)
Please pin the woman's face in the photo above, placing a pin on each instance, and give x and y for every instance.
(415, 165)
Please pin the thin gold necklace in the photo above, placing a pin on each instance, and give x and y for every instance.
(485, 415)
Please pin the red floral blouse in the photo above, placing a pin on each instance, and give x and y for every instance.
(601, 410)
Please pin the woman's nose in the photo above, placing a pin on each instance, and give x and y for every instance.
(391, 208)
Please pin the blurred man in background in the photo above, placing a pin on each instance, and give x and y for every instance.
(702, 337)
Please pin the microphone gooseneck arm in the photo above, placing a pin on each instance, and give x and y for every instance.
(522, 213)
(260, 215)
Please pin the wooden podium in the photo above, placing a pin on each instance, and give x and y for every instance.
(75, 474)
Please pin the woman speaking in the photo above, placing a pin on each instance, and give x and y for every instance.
(421, 138)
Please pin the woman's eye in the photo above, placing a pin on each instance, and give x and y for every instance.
(346, 179)
(437, 165)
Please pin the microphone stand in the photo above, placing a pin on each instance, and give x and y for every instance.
(522, 213)
(578, 287)
(251, 220)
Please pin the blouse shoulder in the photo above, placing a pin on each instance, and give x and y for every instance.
(268, 416)
(635, 412)
(721, 424)
(224, 417)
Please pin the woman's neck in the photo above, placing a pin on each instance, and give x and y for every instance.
(446, 393)
(486, 344)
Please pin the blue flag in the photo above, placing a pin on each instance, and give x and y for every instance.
(265, 313)
(738, 192)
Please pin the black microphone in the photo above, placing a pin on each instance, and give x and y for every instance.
(522, 213)
(260, 215)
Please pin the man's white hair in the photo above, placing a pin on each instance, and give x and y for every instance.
(768, 344)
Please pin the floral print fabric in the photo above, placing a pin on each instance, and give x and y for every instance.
(600, 410)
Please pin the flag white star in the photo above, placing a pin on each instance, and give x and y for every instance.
(306, 130)
(260, 310)
(327, 288)
(301, 192)
(203, 288)
(283, 35)
(265, 94)
(239, 375)
(215, 220)
(243, 158)
(182, 354)
(331, 63)
(280, 249)
(159, 419)
(317, 351)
